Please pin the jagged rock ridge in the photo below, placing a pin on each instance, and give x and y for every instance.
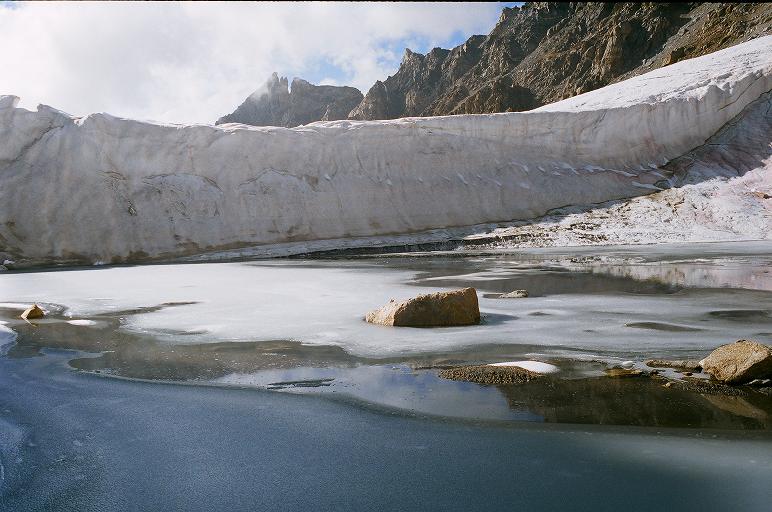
(276, 104)
(545, 52)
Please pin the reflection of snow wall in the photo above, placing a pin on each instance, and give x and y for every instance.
(104, 188)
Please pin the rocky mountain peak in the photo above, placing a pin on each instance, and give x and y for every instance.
(300, 84)
(537, 54)
(375, 104)
(278, 104)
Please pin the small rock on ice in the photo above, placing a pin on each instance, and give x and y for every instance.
(515, 294)
(33, 312)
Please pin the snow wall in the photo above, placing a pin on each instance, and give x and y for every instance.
(101, 188)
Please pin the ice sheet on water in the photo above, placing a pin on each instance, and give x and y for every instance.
(324, 302)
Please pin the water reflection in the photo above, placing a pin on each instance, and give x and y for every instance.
(595, 274)
(398, 386)
(638, 401)
(595, 307)
(720, 273)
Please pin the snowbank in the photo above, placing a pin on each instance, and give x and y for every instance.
(722, 191)
(101, 188)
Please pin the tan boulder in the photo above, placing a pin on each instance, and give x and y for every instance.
(739, 362)
(441, 309)
(32, 313)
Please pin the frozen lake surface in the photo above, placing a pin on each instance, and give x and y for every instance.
(598, 301)
(297, 325)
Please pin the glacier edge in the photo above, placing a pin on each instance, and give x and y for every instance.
(102, 188)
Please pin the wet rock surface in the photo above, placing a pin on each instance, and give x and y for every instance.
(677, 364)
(487, 374)
(622, 373)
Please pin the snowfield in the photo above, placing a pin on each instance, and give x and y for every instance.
(721, 191)
(105, 189)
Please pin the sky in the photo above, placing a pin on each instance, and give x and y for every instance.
(192, 62)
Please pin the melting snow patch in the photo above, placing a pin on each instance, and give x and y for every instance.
(81, 322)
(534, 366)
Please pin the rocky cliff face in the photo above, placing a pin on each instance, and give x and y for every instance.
(545, 52)
(276, 104)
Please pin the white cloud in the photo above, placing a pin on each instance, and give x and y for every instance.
(329, 81)
(193, 62)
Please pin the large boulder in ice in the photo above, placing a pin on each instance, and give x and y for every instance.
(100, 188)
(441, 309)
(739, 362)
